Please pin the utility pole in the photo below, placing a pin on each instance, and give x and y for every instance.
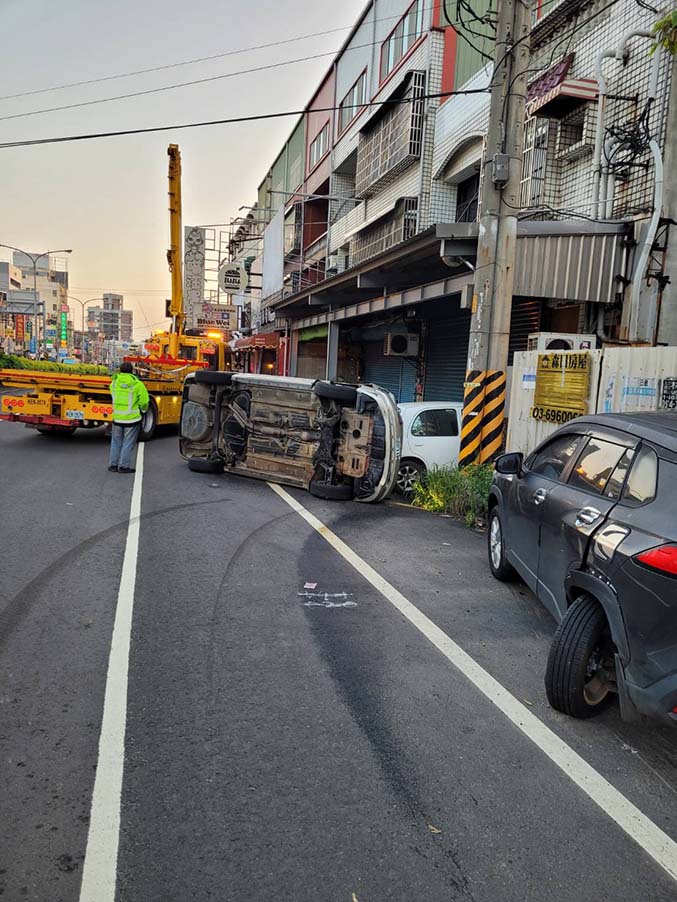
(485, 385)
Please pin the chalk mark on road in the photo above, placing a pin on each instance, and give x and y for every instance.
(327, 599)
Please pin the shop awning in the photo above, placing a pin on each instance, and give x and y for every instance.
(561, 99)
(553, 94)
(262, 340)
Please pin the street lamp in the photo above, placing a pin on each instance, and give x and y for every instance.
(34, 258)
(83, 304)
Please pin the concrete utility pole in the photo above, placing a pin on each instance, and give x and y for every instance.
(484, 395)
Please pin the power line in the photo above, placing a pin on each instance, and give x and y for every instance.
(200, 59)
(237, 119)
(184, 84)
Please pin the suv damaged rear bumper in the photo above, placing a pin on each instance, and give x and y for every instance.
(656, 702)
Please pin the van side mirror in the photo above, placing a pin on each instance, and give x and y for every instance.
(510, 464)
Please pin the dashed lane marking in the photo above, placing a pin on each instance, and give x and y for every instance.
(613, 803)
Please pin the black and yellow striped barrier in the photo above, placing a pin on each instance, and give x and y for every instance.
(483, 415)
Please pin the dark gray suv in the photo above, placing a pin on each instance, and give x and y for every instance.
(589, 521)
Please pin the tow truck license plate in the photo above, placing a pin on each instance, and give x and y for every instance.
(75, 415)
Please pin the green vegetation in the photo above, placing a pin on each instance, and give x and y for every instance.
(11, 362)
(665, 31)
(462, 493)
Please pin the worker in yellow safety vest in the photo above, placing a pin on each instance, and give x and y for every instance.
(130, 402)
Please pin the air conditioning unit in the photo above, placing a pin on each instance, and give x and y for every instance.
(401, 344)
(561, 341)
(332, 264)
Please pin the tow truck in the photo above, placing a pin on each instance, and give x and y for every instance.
(61, 402)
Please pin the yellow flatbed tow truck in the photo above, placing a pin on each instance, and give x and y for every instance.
(61, 402)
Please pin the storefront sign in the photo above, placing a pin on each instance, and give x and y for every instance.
(20, 326)
(669, 394)
(562, 386)
(193, 272)
(233, 277)
(63, 328)
(217, 316)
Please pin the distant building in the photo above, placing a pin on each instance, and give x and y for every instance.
(112, 320)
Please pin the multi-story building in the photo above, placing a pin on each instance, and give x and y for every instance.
(370, 211)
(111, 320)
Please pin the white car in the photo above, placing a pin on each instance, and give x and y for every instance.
(431, 437)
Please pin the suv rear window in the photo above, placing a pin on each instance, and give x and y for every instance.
(641, 484)
(594, 467)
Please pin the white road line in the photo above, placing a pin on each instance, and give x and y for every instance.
(613, 803)
(101, 857)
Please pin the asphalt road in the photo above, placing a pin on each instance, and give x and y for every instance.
(277, 748)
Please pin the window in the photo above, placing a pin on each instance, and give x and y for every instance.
(641, 484)
(552, 459)
(594, 467)
(615, 484)
(437, 423)
(534, 162)
(351, 104)
(405, 34)
(319, 147)
(466, 199)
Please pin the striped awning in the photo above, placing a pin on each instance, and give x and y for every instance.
(558, 101)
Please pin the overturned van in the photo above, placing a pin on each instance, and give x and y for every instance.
(338, 441)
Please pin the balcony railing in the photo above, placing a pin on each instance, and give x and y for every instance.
(393, 143)
(386, 234)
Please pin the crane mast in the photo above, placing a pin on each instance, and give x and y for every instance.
(174, 253)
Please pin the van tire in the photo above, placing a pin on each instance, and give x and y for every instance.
(148, 422)
(336, 391)
(213, 377)
(205, 465)
(581, 638)
(341, 492)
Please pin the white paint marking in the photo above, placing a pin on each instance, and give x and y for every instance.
(101, 857)
(613, 803)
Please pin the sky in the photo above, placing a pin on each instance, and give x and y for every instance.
(107, 199)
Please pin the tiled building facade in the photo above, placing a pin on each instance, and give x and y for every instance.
(380, 207)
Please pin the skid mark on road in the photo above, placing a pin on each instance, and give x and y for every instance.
(18, 606)
(613, 803)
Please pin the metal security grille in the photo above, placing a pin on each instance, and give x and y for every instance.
(534, 162)
(393, 142)
(387, 233)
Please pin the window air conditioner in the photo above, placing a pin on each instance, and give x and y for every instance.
(561, 341)
(399, 344)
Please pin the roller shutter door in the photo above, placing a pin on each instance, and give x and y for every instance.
(446, 357)
(396, 374)
(524, 319)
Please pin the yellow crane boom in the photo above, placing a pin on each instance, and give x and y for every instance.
(174, 253)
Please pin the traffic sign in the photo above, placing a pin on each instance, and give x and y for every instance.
(233, 277)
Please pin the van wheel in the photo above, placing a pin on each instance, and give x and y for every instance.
(336, 391)
(341, 492)
(498, 564)
(205, 465)
(148, 422)
(213, 377)
(581, 661)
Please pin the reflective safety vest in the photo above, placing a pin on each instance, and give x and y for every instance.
(130, 398)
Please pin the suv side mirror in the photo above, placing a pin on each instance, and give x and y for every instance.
(510, 464)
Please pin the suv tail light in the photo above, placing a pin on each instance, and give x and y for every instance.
(662, 558)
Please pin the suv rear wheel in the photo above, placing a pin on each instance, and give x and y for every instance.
(580, 672)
